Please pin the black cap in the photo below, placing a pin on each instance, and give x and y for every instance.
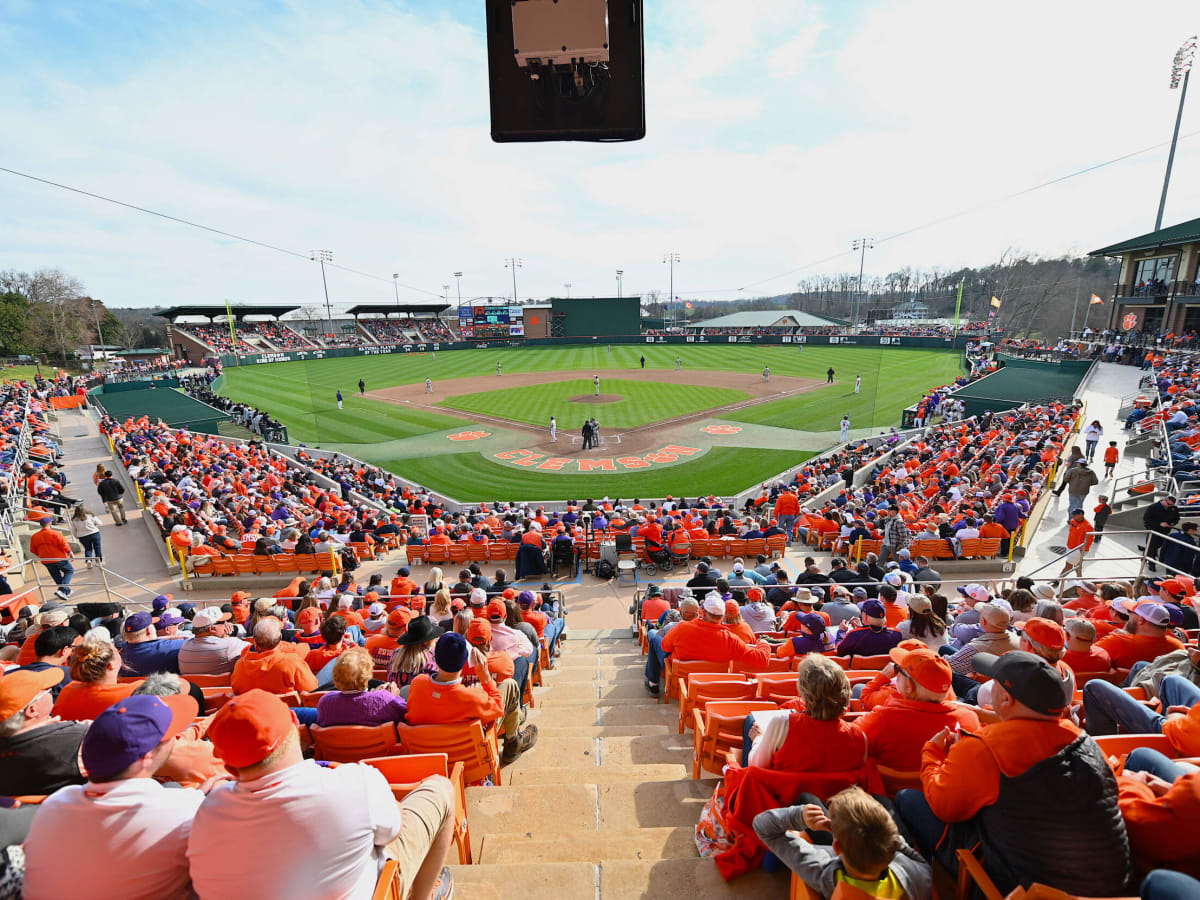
(1030, 679)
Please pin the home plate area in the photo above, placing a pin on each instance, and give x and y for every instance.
(605, 439)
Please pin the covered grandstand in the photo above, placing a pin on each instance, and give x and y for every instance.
(768, 321)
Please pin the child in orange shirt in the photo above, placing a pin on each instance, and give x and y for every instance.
(1110, 459)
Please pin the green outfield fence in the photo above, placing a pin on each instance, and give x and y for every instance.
(156, 400)
(1023, 381)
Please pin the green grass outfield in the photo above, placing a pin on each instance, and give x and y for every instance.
(302, 395)
(641, 402)
(471, 477)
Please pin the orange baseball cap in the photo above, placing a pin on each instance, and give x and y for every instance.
(1175, 587)
(372, 596)
(241, 596)
(497, 610)
(308, 617)
(1046, 632)
(925, 667)
(250, 727)
(732, 609)
(416, 603)
(479, 631)
(509, 594)
(18, 688)
(754, 595)
(400, 617)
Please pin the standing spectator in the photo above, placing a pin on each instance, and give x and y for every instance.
(111, 491)
(1091, 437)
(895, 535)
(1079, 480)
(1111, 455)
(1159, 518)
(86, 528)
(55, 554)
(1079, 541)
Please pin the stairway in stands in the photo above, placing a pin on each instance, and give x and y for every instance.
(604, 805)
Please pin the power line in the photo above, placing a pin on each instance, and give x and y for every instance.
(209, 228)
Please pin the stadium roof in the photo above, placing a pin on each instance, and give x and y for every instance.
(1172, 236)
(239, 310)
(384, 309)
(768, 318)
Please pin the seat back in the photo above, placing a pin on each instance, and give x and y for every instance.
(896, 780)
(1122, 744)
(411, 768)
(215, 698)
(351, 743)
(387, 887)
(773, 685)
(756, 547)
(206, 681)
(703, 687)
(874, 663)
(682, 668)
(464, 742)
(777, 545)
(718, 729)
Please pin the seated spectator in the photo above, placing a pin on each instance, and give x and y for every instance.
(995, 638)
(352, 703)
(338, 824)
(1145, 637)
(1033, 793)
(345, 609)
(144, 652)
(382, 647)
(336, 642)
(501, 665)
(376, 620)
(757, 613)
(923, 623)
(212, 648)
(1108, 708)
(1160, 801)
(855, 842)
(811, 638)
(1043, 638)
(733, 621)
(921, 707)
(95, 667)
(815, 738)
(1184, 663)
(414, 653)
(444, 699)
(269, 666)
(40, 753)
(547, 627)
(53, 649)
(868, 636)
(192, 761)
(1082, 655)
(122, 813)
(704, 638)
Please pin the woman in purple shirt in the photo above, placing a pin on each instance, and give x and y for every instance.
(352, 703)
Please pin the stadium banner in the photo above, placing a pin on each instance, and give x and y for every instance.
(819, 340)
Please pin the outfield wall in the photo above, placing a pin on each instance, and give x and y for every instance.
(820, 340)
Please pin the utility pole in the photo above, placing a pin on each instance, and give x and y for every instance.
(324, 256)
(396, 285)
(568, 287)
(514, 264)
(620, 272)
(1181, 68)
(1075, 308)
(671, 258)
(458, 282)
(862, 244)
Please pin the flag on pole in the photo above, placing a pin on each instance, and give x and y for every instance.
(232, 332)
(687, 306)
(957, 309)
(995, 301)
(1095, 299)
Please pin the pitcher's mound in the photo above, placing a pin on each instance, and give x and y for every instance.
(592, 398)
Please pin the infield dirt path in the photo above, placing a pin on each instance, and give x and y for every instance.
(634, 440)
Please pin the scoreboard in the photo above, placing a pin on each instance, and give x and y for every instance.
(491, 321)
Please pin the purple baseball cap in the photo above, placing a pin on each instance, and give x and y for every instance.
(131, 728)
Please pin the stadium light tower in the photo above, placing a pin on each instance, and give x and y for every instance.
(396, 285)
(446, 293)
(620, 272)
(863, 244)
(672, 257)
(458, 282)
(324, 256)
(514, 264)
(1181, 68)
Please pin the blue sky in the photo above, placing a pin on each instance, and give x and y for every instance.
(777, 132)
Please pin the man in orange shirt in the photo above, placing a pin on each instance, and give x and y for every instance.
(1108, 708)
(1160, 801)
(55, 554)
(787, 508)
(269, 667)
(479, 634)
(383, 646)
(705, 638)
(1079, 540)
(444, 699)
(992, 788)
(1145, 636)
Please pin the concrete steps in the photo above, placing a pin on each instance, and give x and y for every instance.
(604, 806)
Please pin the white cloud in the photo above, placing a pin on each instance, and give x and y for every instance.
(777, 132)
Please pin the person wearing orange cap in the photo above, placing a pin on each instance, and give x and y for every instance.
(479, 634)
(308, 626)
(241, 606)
(922, 706)
(1043, 637)
(122, 813)
(339, 824)
(383, 646)
(40, 753)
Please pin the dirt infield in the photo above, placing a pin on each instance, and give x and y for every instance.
(635, 440)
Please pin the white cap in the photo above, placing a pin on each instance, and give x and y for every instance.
(207, 616)
(713, 604)
(376, 610)
(738, 567)
(894, 579)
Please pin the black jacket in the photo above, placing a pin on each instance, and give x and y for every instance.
(1156, 513)
(110, 490)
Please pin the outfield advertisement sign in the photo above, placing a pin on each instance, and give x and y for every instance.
(820, 340)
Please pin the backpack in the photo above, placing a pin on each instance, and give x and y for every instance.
(605, 570)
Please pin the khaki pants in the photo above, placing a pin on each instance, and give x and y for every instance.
(422, 814)
(510, 696)
(116, 510)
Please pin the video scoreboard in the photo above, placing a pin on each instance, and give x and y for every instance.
(491, 321)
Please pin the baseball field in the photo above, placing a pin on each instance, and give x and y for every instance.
(714, 422)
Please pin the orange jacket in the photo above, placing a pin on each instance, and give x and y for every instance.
(82, 701)
(898, 730)
(1124, 649)
(787, 504)
(1078, 534)
(960, 783)
(48, 544)
(1164, 832)
(698, 639)
(878, 692)
(895, 613)
(444, 704)
(1184, 732)
(275, 671)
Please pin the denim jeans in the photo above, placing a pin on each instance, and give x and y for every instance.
(62, 573)
(306, 715)
(930, 833)
(554, 630)
(1163, 884)
(91, 545)
(786, 523)
(1143, 759)
(1109, 708)
(655, 659)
